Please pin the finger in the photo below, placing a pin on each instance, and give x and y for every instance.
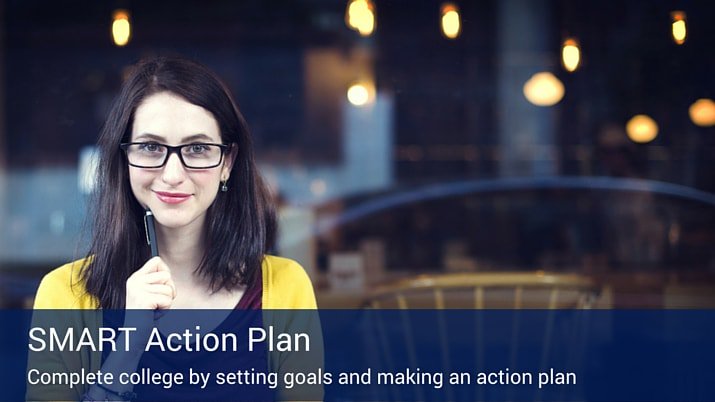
(162, 302)
(138, 283)
(153, 265)
(170, 283)
(155, 277)
(160, 289)
(161, 265)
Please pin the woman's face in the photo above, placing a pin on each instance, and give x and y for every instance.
(177, 196)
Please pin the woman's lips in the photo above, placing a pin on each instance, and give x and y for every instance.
(172, 198)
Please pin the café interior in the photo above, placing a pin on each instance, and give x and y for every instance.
(446, 154)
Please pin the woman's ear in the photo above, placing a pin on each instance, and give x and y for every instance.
(229, 159)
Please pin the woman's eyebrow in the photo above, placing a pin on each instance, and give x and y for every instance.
(198, 137)
(194, 137)
(149, 136)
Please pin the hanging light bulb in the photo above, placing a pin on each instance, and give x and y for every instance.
(121, 27)
(361, 93)
(570, 55)
(451, 25)
(641, 129)
(360, 16)
(357, 95)
(702, 112)
(679, 27)
(543, 89)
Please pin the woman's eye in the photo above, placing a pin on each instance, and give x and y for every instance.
(150, 147)
(197, 149)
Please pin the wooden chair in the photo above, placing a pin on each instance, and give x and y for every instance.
(480, 291)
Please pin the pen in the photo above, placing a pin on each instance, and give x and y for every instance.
(151, 233)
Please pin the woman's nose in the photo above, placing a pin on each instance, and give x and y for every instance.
(173, 172)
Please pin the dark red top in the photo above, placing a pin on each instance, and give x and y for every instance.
(246, 314)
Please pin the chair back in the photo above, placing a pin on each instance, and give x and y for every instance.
(480, 290)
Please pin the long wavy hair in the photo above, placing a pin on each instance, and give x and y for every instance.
(241, 222)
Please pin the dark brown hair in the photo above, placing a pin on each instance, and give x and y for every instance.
(241, 222)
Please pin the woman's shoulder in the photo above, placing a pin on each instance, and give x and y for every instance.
(62, 288)
(281, 268)
(286, 285)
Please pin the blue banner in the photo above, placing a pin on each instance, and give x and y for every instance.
(362, 355)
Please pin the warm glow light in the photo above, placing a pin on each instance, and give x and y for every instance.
(121, 28)
(702, 112)
(451, 25)
(641, 128)
(570, 55)
(543, 89)
(360, 16)
(679, 28)
(358, 94)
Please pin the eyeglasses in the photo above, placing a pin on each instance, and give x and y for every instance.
(150, 155)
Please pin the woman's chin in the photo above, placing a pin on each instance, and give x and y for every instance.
(172, 221)
(172, 224)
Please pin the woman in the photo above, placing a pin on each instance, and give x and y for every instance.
(175, 144)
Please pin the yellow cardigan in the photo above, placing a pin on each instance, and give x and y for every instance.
(286, 286)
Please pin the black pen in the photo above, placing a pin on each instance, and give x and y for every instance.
(151, 233)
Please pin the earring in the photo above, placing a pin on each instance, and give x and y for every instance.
(224, 187)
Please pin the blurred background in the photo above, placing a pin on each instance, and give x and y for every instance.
(400, 138)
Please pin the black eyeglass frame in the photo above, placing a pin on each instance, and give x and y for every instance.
(174, 150)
